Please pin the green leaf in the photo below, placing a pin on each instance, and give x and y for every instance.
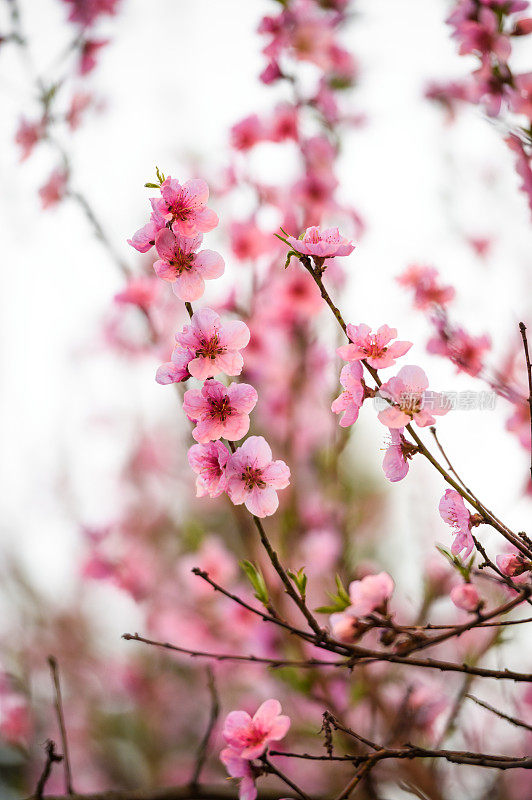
(257, 581)
(300, 580)
(151, 185)
(342, 591)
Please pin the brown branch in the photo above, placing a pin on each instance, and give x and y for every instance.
(54, 669)
(269, 767)
(467, 626)
(271, 662)
(514, 721)
(522, 328)
(221, 792)
(488, 517)
(202, 754)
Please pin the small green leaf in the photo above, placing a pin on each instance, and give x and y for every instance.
(342, 591)
(300, 580)
(151, 185)
(257, 581)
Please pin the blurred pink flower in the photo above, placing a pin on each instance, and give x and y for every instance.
(54, 189)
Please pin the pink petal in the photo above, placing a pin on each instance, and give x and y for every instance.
(202, 368)
(235, 427)
(392, 417)
(164, 270)
(234, 335)
(279, 728)
(210, 264)
(236, 488)
(262, 502)
(206, 220)
(195, 193)
(267, 713)
(277, 474)
(414, 378)
(237, 724)
(165, 244)
(189, 286)
(257, 450)
(243, 397)
(230, 363)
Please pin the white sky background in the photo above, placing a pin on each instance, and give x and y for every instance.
(177, 75)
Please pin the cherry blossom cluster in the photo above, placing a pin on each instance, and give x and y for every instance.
(467, 352)
(491, 30)
(205, 349)
(62, 106)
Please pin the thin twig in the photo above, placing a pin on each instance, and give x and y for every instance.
(514, 720)
(54, 669)
(522, 328)
(213, 719)
(273, 769)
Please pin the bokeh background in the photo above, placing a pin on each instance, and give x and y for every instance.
(177, 75)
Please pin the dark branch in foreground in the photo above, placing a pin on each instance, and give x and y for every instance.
(222, 792)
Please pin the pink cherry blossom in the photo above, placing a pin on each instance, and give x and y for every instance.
(88, 52)
(176, 370)
(247, 133)
(466, 597)
(409, 400)
(370, 593)
(54, 189)
(141, 291)
(78, 105)
(208, 462)
(28, 135)
(454, 512)
(86, 12)
(427, 289)
(181, 265)
(512, 564)
(482, 36)
(465, 351)
(322, 244)
(350, 401)
(185, 206)
(215, 345)
(248, 241)
(397, 455)
(253, 478)
(250, 736)
(270, 73)
(239, 767)
(284, 124)
(373, 346)
(220, 411)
